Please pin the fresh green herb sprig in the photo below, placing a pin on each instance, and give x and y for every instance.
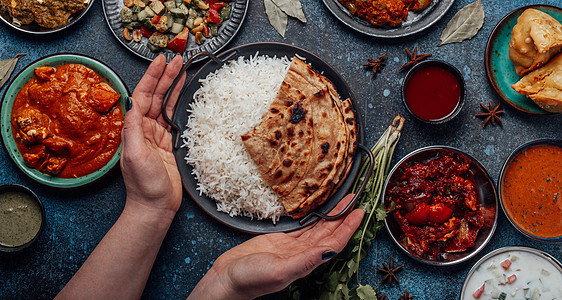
(332, 279)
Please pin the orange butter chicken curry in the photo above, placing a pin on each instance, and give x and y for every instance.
(67, 121)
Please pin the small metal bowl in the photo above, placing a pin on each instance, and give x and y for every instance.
(5, 209)
(447, 67)
(506, 164)
(467, 289)
(486, 194)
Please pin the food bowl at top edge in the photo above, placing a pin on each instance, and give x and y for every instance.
(486, 194)
(38, 30)
(445, 109)
(537, 185)
(21, 208)
(10, 94)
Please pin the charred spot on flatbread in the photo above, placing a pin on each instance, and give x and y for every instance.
(304, 169)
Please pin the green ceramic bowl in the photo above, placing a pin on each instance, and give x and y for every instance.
(8, 100)
(500, 70)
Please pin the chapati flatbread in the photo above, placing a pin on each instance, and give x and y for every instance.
(318, 147)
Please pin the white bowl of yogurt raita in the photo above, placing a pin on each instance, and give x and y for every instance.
(514, 273)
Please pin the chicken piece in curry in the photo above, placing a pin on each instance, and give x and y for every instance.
(67, 121)
(384, 12)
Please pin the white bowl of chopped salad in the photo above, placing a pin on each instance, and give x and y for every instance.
(514, 273)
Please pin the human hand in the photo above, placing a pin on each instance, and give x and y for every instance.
(148, 165)
(269, 263)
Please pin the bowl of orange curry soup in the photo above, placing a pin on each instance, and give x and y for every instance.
(530, 189)
(61, 120)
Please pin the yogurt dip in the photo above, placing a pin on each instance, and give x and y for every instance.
(514, 273)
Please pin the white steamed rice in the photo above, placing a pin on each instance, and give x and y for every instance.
(230, 102)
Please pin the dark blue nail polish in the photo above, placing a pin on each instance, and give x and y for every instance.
(128, 103)
(329, 254)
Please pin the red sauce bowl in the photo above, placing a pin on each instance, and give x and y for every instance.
(433, 91)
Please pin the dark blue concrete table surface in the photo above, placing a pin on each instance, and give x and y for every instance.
(77, 220)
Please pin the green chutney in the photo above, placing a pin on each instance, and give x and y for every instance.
(20, 218)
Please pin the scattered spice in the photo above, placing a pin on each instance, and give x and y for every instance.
(279, 11)
(382, 297)
(7, 67)
(389, 272)
(406, 296)
(464, 24)
(491, 114)
(414, 58)
(375, 65)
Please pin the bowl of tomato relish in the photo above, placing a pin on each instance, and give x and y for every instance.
(61, 120)
(530, 189)
(442, 205)
(433, 91)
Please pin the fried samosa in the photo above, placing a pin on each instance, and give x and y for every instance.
(535, 39)
(544, 85)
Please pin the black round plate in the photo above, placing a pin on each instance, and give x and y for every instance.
(181, 116)
(416, 21)
(227, 31)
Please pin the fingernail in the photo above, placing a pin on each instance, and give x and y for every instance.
(329, 254)
(128, 103)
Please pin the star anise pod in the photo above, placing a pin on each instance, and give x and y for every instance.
(414, 58)
(389, 271)
(406, 296)
(491, 114)
(375, 65)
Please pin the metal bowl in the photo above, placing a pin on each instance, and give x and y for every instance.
(501, 180)
(486, 194)
(5, 210)
(38, 30)
(466, 292)
(8, 100)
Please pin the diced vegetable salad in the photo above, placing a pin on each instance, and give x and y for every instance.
(158, 20)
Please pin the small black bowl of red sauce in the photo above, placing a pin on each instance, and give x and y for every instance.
(433, 91)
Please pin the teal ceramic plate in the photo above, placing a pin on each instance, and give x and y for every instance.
(8, 100)
(501, 72)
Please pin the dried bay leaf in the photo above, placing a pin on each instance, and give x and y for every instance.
(277, 18)
(464, 25)
(293, 8)
(7, 66)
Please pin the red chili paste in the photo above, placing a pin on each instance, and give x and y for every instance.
(532, 190)
(432, 93)
(437, 206)
(67, 121)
